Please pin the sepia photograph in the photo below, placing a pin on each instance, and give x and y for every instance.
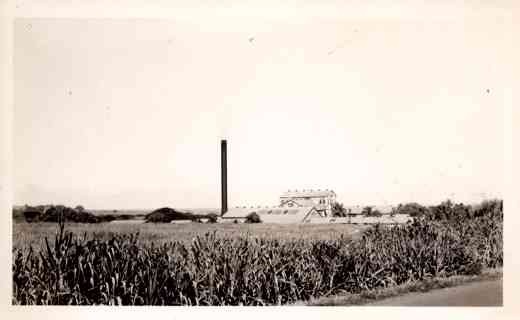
(260, 156)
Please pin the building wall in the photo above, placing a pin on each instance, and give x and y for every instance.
(322, 202)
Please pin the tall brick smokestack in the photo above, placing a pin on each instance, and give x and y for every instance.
(223, 176)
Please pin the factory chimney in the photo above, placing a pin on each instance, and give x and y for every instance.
(223, 176)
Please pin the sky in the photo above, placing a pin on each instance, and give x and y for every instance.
(129, 113)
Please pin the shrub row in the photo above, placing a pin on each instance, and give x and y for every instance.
(166, 215)
(55, 213)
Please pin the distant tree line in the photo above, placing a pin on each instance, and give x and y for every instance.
(53, 213)
(167, 215)
(446, 210)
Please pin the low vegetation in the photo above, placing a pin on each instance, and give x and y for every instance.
(53, 213)
(338, 210)
(448, 210)
(246, 270)
(253, 217)
(166, 215)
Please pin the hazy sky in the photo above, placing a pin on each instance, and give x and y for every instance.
(113, 113)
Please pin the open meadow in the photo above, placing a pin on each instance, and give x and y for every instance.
(33, 234)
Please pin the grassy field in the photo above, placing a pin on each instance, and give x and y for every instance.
(33, 234)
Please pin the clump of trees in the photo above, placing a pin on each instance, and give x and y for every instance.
(448, 210)
(167, 215)
(59, 212)
(370, 212)
(413, 209)
(212, 217)
(492, 208)
(338, 210)
(253, 217)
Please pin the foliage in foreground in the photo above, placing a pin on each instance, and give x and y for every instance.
(250, 271)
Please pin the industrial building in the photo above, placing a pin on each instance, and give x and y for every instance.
(271, 214)
(300, 206)
(295, 207)
(322, 200)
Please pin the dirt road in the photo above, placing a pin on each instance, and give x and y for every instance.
(483, 293)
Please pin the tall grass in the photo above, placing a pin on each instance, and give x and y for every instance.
(80, 269)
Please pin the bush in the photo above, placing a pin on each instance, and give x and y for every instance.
(167, 215)
(447, 210)
(338, 210)
(212, 217)
(375, 213)
(31, 215)
(491, 208)
(253, 217)
(412, 209)
(369, 212)
(55, 213)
